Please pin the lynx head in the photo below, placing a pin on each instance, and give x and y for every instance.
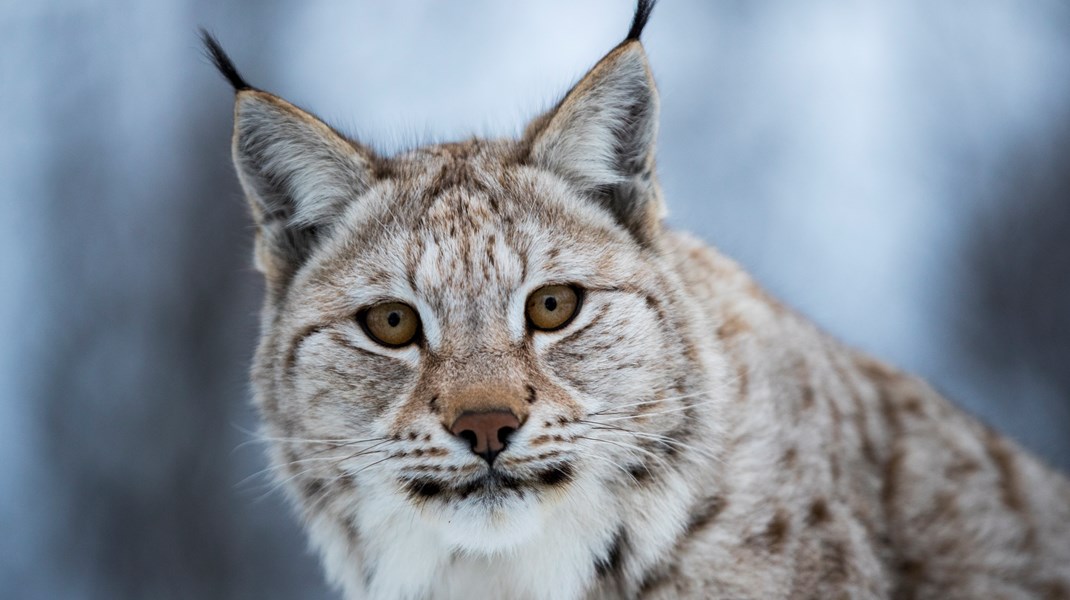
(474, 333)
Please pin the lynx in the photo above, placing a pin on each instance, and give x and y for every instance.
(488, 369)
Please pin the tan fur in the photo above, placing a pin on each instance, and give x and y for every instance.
(685, 436)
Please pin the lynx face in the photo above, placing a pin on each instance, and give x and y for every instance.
(481, 336)
(483, 417)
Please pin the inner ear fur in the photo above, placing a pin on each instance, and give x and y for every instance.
(298, 174)
(601, 138)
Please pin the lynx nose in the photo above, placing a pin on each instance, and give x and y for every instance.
(486, 432)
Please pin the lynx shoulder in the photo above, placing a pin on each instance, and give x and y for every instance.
(489, 369)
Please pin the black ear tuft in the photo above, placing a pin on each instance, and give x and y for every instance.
(215, 53)
(642, 15)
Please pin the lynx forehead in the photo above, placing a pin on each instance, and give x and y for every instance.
(488, 369)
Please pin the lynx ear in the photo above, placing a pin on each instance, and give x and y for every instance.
(601, 138)
(298, 173)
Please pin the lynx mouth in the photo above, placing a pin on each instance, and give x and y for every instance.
(493, 485)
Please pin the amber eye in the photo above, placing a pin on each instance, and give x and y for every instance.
(391, 323)
(553, 306)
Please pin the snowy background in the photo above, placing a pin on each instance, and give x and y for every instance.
(898, 171)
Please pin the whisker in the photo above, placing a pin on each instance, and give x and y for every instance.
(293, 440)
(368, 466)
(335, 447)
(279, 484)
(659, 412)
(326, 491)
(664, 439)
(622, 468)
(616, 407)
(283, 482)
(337, 459)
(631, 447)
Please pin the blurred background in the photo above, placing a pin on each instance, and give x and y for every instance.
(898, 171)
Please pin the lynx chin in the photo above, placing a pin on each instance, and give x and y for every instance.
(488, 369)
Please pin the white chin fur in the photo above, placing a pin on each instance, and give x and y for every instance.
(479, 529)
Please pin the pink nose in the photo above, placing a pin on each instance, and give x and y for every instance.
(486, 432)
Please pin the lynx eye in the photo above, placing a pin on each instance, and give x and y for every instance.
(391, 324)
(552, 307)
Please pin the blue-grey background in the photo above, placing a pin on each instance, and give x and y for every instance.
(897, 170)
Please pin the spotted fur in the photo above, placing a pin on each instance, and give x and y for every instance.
(685, 436)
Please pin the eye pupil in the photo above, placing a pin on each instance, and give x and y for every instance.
(393, 319)
(550, 303)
